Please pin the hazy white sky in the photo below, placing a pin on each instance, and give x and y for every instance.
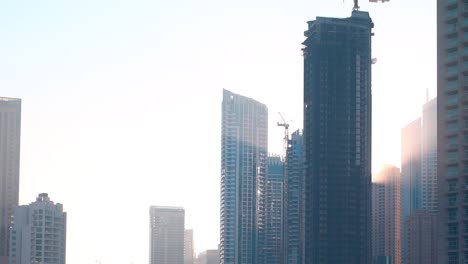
(122, 100)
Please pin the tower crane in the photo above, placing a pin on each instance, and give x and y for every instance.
(286, 134)
(356, 3)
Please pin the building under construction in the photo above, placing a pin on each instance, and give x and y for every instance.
(337, 140)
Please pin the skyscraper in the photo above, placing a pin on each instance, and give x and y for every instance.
(410, 168)
(38, 234)
(208, 257)
(410, 173)
(429, 156)
(272, 251)
(337, 140)
(167, 227)
(421, 234)
(10, 133)
(189, 253)
(293, 209)
(386, 219)
(244, 151)
(452, 133)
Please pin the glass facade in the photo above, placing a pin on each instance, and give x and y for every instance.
(272, 251)
(337, 140)
(244, 152)
(293, 210)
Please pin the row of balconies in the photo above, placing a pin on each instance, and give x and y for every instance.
(452, 12)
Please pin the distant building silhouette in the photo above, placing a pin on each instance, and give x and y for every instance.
(272, 251)
(386, 218)
(429, 194)
(244, 144)
(419, 165)
(167, 227)
(38, 234)
(208, 257)
(10, 137)
(410, 173)
(421, 234)
(410, 168)
(294, 201)
(189, 253)
(337, 140)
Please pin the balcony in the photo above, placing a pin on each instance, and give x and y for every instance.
(451, 74)
(451, 29)
(465, 9)
(452, 58)
(451, 146)
(451, 15)
(452, 86)
(450, 3)
(451, 44)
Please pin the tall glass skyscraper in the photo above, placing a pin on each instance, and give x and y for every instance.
(244, 153)
(10, 137)
(337, 140)
(294, 200)
(452, 130)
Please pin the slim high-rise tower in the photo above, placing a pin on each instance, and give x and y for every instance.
(167, 227)
(10, 132)
(293, 209)
(38, 234)
(337, 140)
(410, 173)
(189, 251)
(272, 251)
(244, 153)
(452, 131)
(410, 168)
(386, 219)
(429, 156)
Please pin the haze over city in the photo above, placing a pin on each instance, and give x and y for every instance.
(121, 101)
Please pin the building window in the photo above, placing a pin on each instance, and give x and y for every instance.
(452, 199)
(453, 229)
(453, 243)
(452, 127)
(452, 85)
(452, 156)
(451, 114)
(453, 258)
(452, 171)
(452, 213)
(452, 70)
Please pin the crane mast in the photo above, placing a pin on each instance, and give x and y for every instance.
(356, 3)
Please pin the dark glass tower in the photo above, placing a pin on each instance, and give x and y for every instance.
(294, 202)
(337, 140)
(244, 155)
